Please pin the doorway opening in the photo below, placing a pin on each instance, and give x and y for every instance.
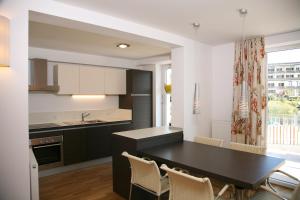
(283, 124)
(166, 96)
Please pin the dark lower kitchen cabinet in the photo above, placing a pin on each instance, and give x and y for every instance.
(91, 143)
(142, 116)
(75, 146)
(98, 142)
(121, 127)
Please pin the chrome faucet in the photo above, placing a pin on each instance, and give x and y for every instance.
(84, 115)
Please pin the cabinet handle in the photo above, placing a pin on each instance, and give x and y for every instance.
(34, 166)
(48, 145)
(140, 95)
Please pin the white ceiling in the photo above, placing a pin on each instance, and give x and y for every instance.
(219, 19)
(51, 36)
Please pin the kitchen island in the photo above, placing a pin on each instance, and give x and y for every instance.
(134, 141)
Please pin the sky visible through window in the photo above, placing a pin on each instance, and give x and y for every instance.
(284, 56)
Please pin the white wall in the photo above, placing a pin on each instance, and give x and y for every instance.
(197, 62)
(54, 103)
(74, 57)
(14, 145)
(222, 85)
(177, 87)
(196, 59)
(42, 102)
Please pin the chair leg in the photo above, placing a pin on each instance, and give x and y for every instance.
(130, 191)
(158, 197)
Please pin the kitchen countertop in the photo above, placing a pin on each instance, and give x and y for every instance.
(148, 132)
(35, 128)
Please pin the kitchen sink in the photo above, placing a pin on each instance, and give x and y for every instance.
(92, 121)
(83, 122)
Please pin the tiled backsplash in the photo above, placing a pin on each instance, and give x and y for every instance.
(68, 116)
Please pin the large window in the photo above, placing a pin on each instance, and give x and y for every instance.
(284, 102)
(283, 124)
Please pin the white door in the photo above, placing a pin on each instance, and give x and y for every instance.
(283, 121)
(166, 98)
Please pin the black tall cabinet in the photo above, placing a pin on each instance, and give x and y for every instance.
(138, 97)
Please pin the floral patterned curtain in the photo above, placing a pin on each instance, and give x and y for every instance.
(249, 66)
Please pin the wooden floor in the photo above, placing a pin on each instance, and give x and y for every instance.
(94, 183)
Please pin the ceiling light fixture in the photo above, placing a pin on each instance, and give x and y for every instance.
(196, 25)
(123, 45)
(243, 11)
(244, 103)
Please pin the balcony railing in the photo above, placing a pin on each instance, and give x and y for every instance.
(283, 134)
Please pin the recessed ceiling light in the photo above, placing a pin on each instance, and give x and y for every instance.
(196, 25)
(243, 11)
(123, 45)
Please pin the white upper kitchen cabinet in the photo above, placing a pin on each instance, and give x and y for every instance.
(115, 81)
(91, 80)
(66, 76)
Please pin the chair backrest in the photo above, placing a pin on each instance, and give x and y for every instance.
(210, 141)
(247, 148)
(144, 173)
(296, 193)
(184, 186)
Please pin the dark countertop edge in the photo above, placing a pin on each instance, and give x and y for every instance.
(70, 127)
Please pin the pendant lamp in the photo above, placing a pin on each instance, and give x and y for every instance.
(243, 103)
(196, 104)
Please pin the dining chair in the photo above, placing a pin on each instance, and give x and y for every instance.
(268, 191)
(145, 174)
(210, 141)
(247, 148)
(184, 186)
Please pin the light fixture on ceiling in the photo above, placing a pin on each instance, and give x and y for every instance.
(196, 104)
(123, 45)
(196, 25)
(243, 11)
(4, 41)
(244, 102)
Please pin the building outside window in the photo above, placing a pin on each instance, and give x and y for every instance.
(279, 76)
(271, 84)
(271, 70)
(289, 69)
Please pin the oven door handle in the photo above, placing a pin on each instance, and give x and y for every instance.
(48, 145)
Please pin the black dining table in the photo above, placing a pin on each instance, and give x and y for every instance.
(243, 170)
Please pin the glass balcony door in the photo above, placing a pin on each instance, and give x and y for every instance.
(283, 124)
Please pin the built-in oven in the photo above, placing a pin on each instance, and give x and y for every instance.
(48, 151)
